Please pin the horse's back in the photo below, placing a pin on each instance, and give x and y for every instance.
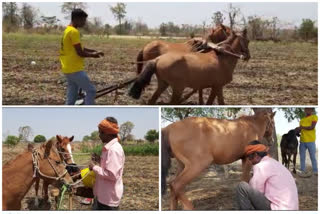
(158, 47)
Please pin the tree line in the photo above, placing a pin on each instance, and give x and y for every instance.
(25, 133)
(259, 28)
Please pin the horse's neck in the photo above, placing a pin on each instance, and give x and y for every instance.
(19, 174)
(260, 125)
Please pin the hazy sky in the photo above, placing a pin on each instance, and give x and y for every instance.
(76, 121)
(154, 13)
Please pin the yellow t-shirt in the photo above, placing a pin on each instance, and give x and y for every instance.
(308, 136)
(70, 61)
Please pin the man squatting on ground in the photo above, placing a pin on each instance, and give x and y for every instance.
(72, 54)
(108, 187)
(271, 187)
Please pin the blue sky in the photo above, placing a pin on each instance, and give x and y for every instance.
(154, 13)
(76, 121)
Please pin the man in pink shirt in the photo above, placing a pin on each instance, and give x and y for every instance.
(271, 187)
(108, 188)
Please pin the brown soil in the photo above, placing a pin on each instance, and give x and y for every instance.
(277, 74)
(212, 191)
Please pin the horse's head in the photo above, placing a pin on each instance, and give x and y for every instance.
(218, 34)
(65, 151)
(240, 44)
(51, 164)
(64, 148)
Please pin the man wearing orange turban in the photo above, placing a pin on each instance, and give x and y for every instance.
(108, 188)
(271, 187)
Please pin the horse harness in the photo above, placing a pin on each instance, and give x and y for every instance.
(36, 165)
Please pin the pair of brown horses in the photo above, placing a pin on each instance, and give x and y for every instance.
(45, 162)
(177, 66)
(65, 151)
(197, 142)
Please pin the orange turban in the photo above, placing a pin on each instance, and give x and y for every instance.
(108, 127)
(255, 148)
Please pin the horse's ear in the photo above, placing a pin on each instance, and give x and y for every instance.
(273, 113)
(48, 146)
(71, 138)
(59, 138)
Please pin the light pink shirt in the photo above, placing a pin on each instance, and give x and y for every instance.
(275, 181)
(108, 188)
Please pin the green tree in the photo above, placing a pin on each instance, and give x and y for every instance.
(307, 29)
(94, 136)
(28, 16)
(119, 12)
(163, 29)
(11, 140)
(125, 130)
(174, 114)
(39, 139)
(152, 135)
(86, 138)
(10, 17)
(68, 7)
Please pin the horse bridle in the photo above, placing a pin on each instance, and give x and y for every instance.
(233, 53)
(63, 154)
(36, 165)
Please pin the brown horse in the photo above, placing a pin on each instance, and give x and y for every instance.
(157, 48)
(197, 142)
(64, 149)
(194, 70)
(19, 174)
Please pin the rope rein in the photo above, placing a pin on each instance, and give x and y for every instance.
(36, 165)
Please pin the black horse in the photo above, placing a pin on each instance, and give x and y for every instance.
(289, 146)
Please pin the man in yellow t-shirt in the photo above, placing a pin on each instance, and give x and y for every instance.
(308, 139)
(72, 54)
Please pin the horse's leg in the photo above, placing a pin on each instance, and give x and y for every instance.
(220, 96)
(191, 171)
(212, 96)
(201, 97)
(294, 162)
(36, 187)
(283, 158)
(45, 191)
(180, 167)
(161, 87)
(246, 167)
(176, 95)
(289, 159)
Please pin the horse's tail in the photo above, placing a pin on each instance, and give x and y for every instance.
(165, 159)
(139, 62)
(143, 80)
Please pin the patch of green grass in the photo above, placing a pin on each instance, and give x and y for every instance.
(140, 150)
